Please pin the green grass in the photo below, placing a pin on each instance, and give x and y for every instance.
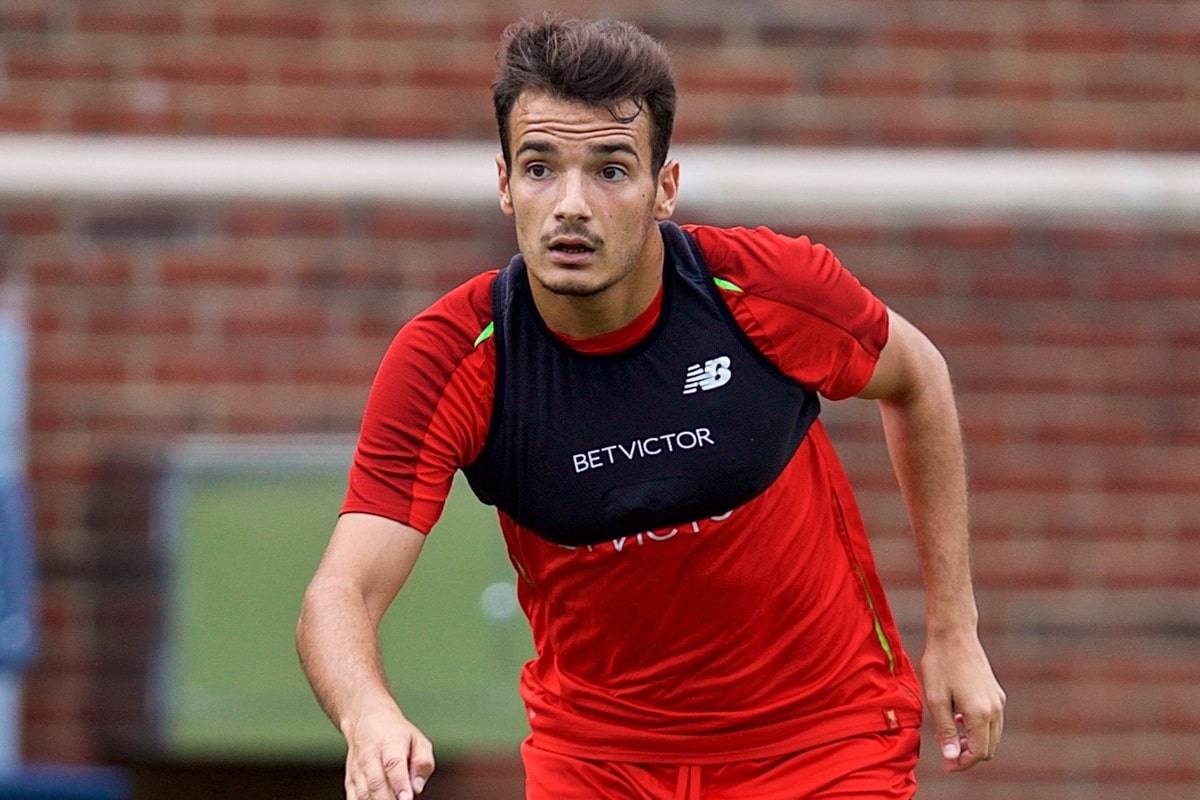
(248, 546)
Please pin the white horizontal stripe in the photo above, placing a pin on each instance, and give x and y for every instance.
(749, 182)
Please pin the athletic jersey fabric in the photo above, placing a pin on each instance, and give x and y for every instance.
(754, 633)
(583, 448)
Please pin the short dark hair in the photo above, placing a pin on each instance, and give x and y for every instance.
(598, 62)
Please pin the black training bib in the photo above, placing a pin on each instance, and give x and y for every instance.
(690, 422)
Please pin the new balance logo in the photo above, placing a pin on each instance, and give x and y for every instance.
(714, 374)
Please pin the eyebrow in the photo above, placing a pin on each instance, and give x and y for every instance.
(599, 149)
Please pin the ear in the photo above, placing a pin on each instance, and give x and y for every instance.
(505, 197)
(667, 190)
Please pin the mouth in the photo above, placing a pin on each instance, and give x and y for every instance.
(570, 250)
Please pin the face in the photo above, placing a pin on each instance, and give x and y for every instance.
(583, 195)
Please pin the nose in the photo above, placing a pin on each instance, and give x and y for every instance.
(572, 202)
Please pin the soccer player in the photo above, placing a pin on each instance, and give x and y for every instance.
(640, 402)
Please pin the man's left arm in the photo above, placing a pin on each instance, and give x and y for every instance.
(912, 384)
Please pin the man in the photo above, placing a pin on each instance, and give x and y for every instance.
(640, 401)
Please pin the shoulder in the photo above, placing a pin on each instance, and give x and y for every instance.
(762, 262)
(799, 277)
(453, 325)
(446, 343)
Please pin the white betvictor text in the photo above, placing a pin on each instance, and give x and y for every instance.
(642, 448)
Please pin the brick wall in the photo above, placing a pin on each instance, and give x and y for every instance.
(1024, 73)
(1075, 353)
(1075, 350)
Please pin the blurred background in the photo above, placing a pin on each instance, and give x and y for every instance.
(215, 215)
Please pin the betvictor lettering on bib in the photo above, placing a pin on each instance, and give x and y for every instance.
(642, 448)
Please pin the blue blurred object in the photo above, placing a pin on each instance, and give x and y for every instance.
(16, 561)
(65, 783)
(16, 577)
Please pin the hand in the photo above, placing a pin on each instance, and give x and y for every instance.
(388, 757)
(966, 702)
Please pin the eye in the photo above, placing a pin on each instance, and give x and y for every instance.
(537, 171)
(612, 172)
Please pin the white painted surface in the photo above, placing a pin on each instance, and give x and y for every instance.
(751, 181)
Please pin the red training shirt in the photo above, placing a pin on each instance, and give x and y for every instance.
(752, 634)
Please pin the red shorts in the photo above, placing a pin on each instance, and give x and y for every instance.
(876, 765)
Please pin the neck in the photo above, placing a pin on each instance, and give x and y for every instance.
(608, 310)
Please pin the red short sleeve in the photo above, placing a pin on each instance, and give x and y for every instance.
(796, 301)
(428, 410)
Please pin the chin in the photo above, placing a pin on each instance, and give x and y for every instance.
(572, 283)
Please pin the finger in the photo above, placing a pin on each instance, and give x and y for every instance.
(420, 762)
(944, 728)
(997, 727)
(395, 766)
(376, 782)
(979, 743)
(356, 787)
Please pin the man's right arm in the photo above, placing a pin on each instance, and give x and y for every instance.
(367, 561)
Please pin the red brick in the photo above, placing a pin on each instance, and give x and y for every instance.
(61, 742)
(82, 370)
(21, 119)
(680, 31)
(179, 70)
(277, 323)
(791, 135)
(1003, 89)
(140, 321)
(30, 221)
(1179, 139)
(418, 225)
(907, 134)
(270, 123)
(80, 471)
(1184, 339)
(1163, 90)
(197, 368)
(113, 21)
(46, 321)
(26, 20)
(696, 131)
(1023, 285)
(367, 26)
(453, 77)
(350, 375)
(98, 272)
(1151, 286)
(118, 120)
(307, 74)
(1070, 136)
(872, 85)
(1088, 335)
(185, 271)
(941, 39)
(735, 79)
(402, 126)
(1077, 40)
(811, 33)
(1102, 238)
(294, 24)
(275, 221)
(969, 237)
(1184, 39)
(30, 67)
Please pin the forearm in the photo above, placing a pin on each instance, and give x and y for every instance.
(925, 445)
(339, 650)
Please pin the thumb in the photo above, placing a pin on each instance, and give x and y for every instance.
(946, 729)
